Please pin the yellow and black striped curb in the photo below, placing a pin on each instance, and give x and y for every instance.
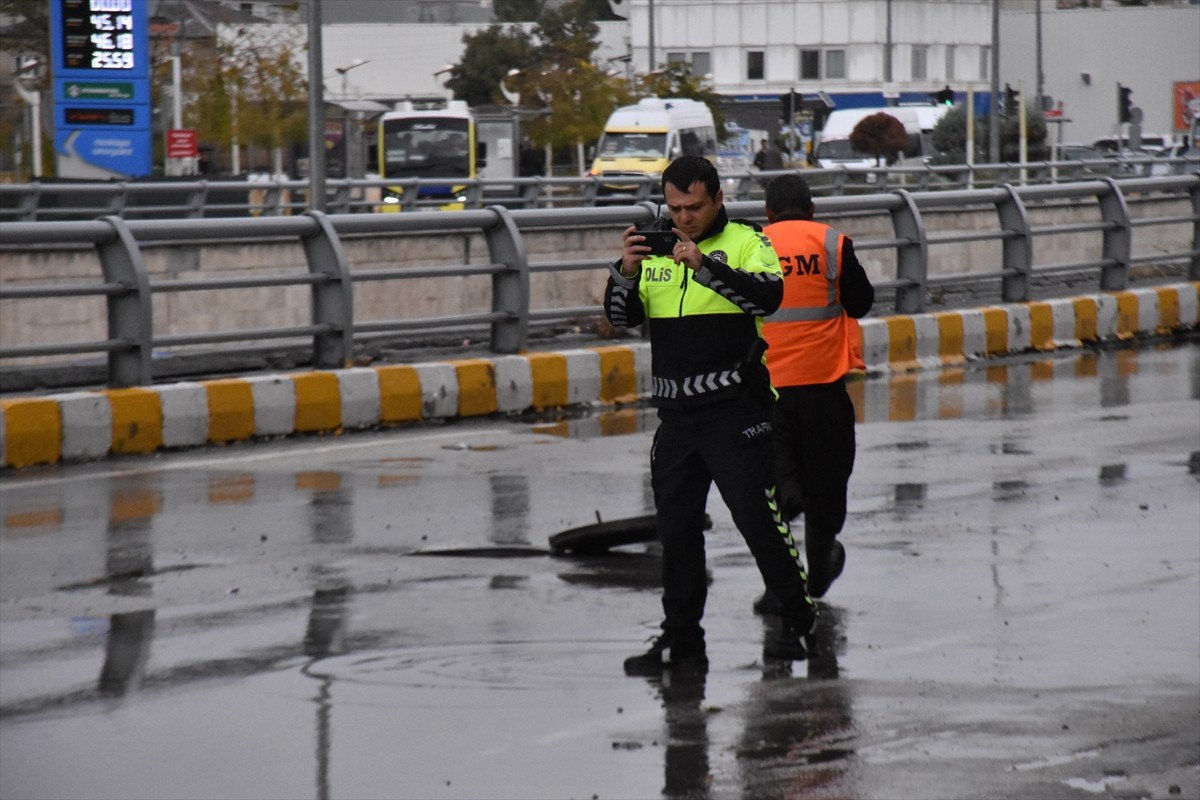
(86, 425)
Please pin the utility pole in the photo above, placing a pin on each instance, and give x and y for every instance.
(650, 67)
(1041, 75)
(994, 116)
(887, 54)
(316, 111)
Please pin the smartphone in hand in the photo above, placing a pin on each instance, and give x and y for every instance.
(661, 243)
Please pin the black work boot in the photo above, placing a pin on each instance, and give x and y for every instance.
(824, 569)
(767, 604)
(789, 646)
(668, 652)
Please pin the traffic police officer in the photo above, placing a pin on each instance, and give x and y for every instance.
(704, 305)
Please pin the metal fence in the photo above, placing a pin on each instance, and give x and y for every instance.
(200, 199)
(332, 327)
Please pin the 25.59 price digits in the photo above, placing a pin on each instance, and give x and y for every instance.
(112, 60)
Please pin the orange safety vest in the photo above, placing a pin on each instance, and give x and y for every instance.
(810, 338)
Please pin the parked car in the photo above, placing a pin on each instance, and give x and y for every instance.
(1088, 161)
(1177, 160)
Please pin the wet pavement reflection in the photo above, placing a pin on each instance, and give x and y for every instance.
(263, 600)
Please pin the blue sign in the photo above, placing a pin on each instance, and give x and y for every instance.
(101, 56)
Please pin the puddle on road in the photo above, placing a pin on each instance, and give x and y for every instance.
(1027, 385)
(1032, 384)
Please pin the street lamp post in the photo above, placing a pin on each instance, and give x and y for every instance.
(34, 99)
(358, 62)
(316, 111)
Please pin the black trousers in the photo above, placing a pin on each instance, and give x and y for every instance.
(729, 444)
(814, 456)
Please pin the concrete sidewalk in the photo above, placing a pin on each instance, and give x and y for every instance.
(88, 425)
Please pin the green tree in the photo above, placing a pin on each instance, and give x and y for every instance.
(28, 31)
(880, 135)
(487, 58)
(556, 72)
(28, 34)
(949, 138)
(566, 81)
(518, 10)
(251, 87)
(678, 80)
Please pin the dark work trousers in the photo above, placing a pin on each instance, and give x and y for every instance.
(730, 444)
(814, 449)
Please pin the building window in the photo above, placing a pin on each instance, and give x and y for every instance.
(920, 62)
(698, 61)
(835, 64)
(810, 65)
(985, 63)
(754, 65)
(950, 62)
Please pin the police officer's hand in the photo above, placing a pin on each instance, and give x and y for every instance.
(686, 251)
(633, 252)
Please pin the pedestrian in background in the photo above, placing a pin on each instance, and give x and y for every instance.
(813, 343)
(530, 162)
(704, 304)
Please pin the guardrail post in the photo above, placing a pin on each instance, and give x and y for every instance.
(911, 256)
(531, 193)
(116, 202)
(1114, 273)
(340, 202)
(1194, 271)
(130, 314)
(332, 299)
(31, 203)
(644, 188)
(272, 195)
(473, 192)
(839, 181)
(412, 189)
(510, 289)
(1017, 253)
(589, 191)
(196, 198)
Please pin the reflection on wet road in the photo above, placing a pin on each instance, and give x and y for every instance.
(250, 621)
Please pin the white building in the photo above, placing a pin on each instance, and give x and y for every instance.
(1086, 52)
(754, 51)
(856, 51)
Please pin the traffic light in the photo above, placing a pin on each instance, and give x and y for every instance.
(790, 105)
(1124, 103)
(1010, 99)
(945, 97)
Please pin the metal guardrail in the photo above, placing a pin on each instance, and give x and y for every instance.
(202, 199)
(129, 293)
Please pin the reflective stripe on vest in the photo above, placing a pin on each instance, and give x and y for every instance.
(832, 309)
(809, 336)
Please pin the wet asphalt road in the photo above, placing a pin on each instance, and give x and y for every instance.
(378, 615)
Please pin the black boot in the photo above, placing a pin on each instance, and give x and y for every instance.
(824, 568)
(671, 652)
(797, 624)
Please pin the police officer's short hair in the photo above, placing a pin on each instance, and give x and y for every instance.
(687, 170)
(789, 193)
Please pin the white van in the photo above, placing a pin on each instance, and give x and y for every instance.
(834, 148)
(642, 139)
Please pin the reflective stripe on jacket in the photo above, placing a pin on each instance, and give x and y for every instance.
(703, 325)
(810, 334)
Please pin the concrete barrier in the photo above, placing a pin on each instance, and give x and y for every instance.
(80, 426)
